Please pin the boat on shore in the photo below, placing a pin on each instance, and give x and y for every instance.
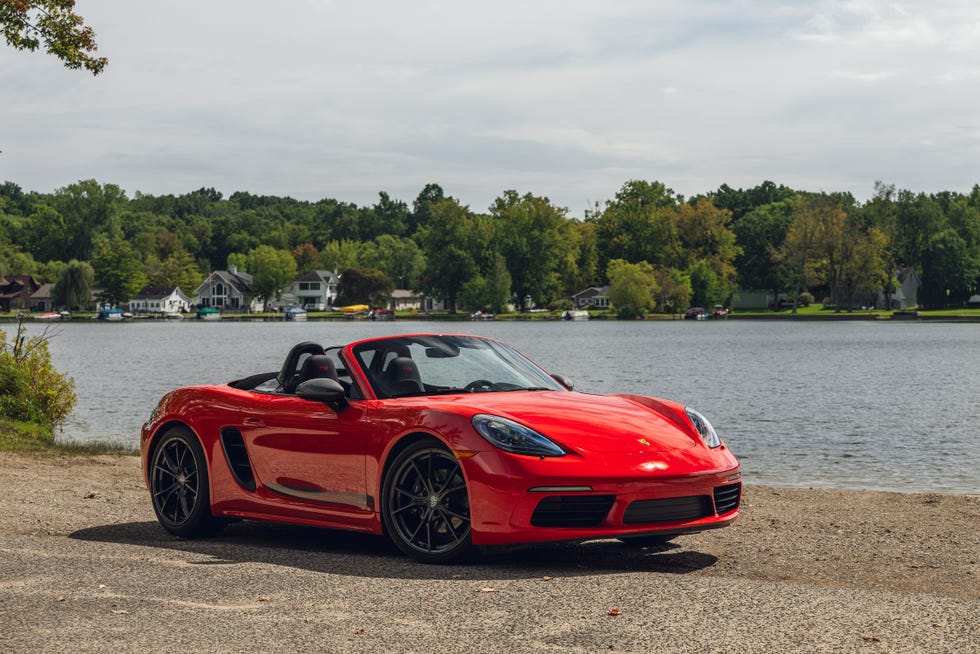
(575, 315)
(295, 314)
(208, 313)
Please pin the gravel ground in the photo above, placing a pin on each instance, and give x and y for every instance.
(85, 567)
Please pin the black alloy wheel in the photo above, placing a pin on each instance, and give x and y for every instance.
(179, 484)
(426, 509)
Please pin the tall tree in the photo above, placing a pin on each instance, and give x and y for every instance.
(74, 290)
(447, 241)
(118, 270)
(799, 249)
(364, 286)
(760, 234)
(534, 238)
(632, 287)
(272, 270)
(27, 24)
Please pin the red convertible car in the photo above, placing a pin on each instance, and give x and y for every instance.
(440, 442)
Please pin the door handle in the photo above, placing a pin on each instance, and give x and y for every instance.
(254, 422)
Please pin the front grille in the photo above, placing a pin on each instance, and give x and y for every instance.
(726, 498)
(572, 510)
(668, 509)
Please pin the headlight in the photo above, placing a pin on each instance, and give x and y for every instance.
(708, 434)
(514, 437)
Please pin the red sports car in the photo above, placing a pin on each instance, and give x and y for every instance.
(441, 442)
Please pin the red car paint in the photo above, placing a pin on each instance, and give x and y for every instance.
(318, 464)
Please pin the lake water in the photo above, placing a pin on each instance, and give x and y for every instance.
(877, 405)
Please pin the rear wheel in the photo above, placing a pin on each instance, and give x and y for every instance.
(425, 506)
(179, 484)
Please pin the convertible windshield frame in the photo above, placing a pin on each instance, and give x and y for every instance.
(419, 365)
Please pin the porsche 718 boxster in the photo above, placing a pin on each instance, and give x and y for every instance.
(439, 442)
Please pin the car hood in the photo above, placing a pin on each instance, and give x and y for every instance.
(591, 423)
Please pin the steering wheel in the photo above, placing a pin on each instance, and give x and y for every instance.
(478, 386)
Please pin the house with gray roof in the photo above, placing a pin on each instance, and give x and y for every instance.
(228, 290)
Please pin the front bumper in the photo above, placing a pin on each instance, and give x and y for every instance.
(523, 499)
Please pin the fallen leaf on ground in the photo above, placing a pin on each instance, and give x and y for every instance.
(265, 598)
(120, 611)
(487, 589)
(614, 612)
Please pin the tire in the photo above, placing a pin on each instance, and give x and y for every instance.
(425, 505)
(179, 485)
(647, 541)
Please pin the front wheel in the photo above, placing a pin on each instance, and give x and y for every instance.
(425, 507)
(179, 485)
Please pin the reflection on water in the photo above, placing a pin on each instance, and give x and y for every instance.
(863, 405)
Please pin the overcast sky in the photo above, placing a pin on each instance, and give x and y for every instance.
(567, 99)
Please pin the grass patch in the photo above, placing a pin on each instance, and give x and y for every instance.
(17, 436)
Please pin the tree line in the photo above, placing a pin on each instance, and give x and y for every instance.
(657, 250)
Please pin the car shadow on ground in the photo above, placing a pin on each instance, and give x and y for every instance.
(347, 553)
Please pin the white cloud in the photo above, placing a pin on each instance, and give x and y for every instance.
(565, 99)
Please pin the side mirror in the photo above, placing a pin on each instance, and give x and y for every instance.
(564, 381)
(328, 391)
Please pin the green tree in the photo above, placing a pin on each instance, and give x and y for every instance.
(15, 262)
(948, 271)
(534, 237)
(238, 260)
(760, 234)
(271, 271)
(27, 24)
(799, 251)
(74, 290)
(399, 258)
(706, 240)
(448, 243)
(118, 270)
(179, 269)
(673, 290)
(491, 293)
(419, 216)
(306, 256)
(339, 255)
(638, 225)
(632, 287)
(31, 389)
(364, 286)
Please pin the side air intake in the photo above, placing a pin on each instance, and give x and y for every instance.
(237, 455)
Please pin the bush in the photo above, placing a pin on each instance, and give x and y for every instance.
(31, 390)
(806, 299)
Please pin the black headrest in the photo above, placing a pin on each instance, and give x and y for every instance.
(402, 368)
(318, 366)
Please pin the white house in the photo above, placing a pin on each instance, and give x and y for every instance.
(228, 290)
(315, 290)
(156, 299)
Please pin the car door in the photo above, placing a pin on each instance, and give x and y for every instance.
(305, 450)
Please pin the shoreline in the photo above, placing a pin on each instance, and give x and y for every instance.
(801, 570)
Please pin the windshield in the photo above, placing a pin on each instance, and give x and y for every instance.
(431, 365)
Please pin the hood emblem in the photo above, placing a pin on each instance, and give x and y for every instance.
(644, 441)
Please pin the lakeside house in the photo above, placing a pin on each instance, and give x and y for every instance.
(16, 292)
(314, 291)
(42, 300)
(596, 296)
(228, 290)
(403, 299)
(161, 299)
